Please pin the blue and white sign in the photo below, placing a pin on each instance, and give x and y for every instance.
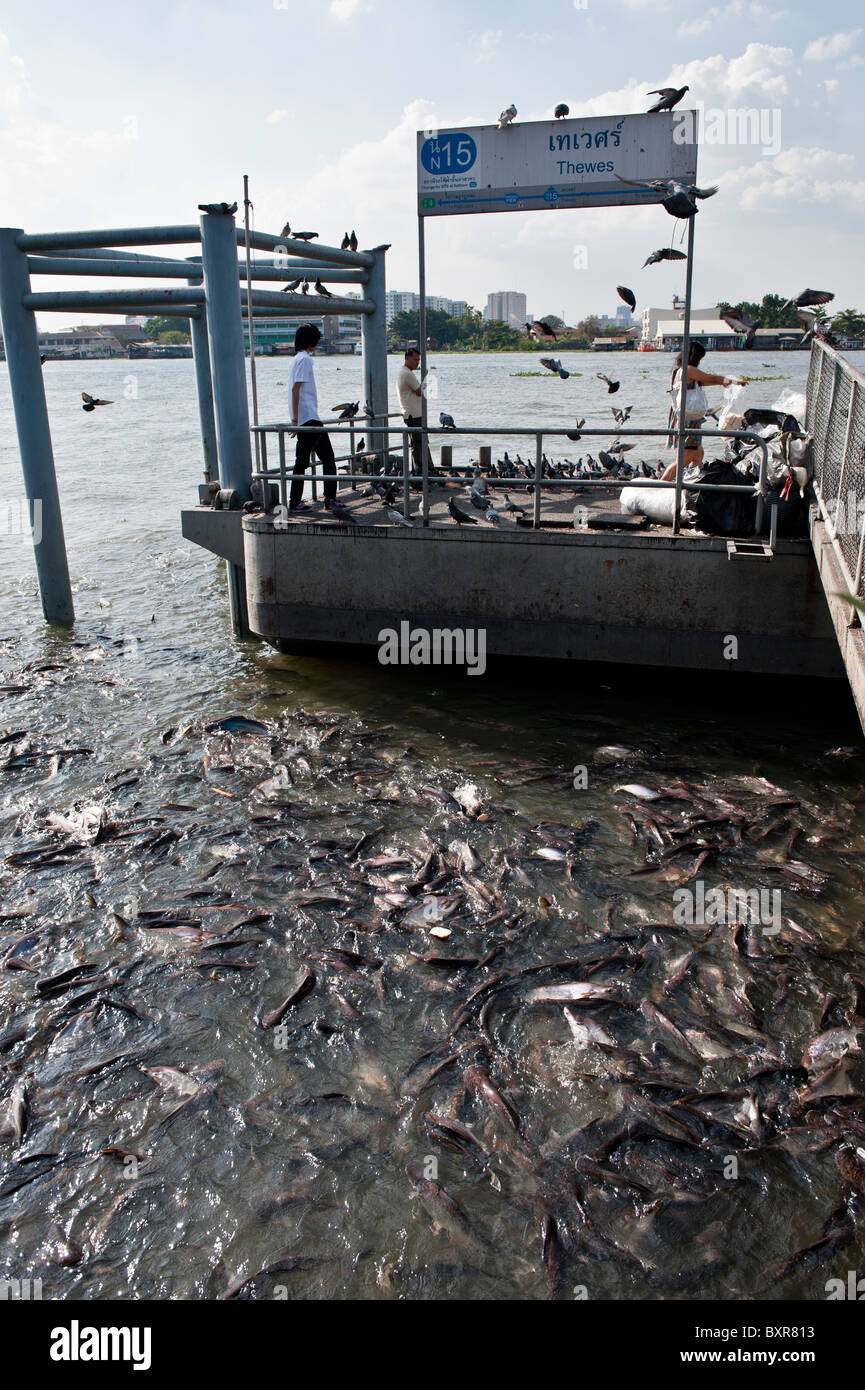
(550, 164)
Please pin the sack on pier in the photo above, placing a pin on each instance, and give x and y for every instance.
(723, 513)
(657, 503)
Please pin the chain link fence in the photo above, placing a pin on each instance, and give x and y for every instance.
(835, 417)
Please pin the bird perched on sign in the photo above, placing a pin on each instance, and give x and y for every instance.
(91, 402)
(561, 111)
(627, 295)
(304, 236)
(678, 197)
(320, 289)
(670, 96)
(286, 231)
(304, 289)
(666, 253)
(293, 286)
(346, 240)
(506, 116)
(446, 421)
(807, 297)
(225, 209)
(460, 517)
(611, 385)
(352, 241)
(552, 364)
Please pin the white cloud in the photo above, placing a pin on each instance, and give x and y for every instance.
(854, 61)
(344, 10)
(488, 45)
(279, 114)
(755, 12)
(809, 177)
(831, 46)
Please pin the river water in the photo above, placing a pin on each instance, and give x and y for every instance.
(160, 1141)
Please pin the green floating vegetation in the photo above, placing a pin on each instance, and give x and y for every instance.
(768, 378)
(550, 374)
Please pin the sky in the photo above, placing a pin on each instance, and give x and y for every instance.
(142, 111)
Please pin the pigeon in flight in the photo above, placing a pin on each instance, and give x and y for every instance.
(552, 364)
(669, 97)
(611, 385)
(293, 286)
(225, 209)
(678, 197)
(91, 402)
(740, 322)
(347, 409)
(507, 116)
(621, 416)
(446, 421)
(666, 253)
(561, 111)
(320, 289)
(541, 332)
(627, 295)
(575, 434)
(809, 297)
(460, 517)
(397, 518)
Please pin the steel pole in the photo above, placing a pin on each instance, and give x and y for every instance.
(374, 341)
(34, 431)
(228, 369)
(250, 318)
(686, 344)
(424, 438)
(204, 387)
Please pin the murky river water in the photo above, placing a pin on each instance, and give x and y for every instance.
(425, 1122)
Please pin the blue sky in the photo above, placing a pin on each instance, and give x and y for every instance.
(138, 112)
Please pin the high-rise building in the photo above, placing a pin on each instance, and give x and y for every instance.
(506, 306)
(406, 301)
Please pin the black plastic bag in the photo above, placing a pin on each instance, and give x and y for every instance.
(723, 513)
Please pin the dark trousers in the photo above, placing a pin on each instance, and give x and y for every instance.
(416, 454)
(319, 444)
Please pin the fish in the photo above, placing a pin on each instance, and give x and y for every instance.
(17, 1115)
(827, 1048)
(306, 986)
(459, 1137)
(447, 1214)
(578, 992)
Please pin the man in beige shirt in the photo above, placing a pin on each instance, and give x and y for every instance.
(410, 394)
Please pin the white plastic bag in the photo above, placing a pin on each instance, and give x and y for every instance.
(732, 408)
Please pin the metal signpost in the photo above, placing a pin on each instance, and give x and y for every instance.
(552, 165)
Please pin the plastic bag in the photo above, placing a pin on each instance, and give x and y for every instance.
(732, 408)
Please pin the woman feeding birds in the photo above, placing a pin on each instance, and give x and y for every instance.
(696, 405)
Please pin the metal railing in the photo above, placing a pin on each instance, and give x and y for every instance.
(281, 474)
(835, 417)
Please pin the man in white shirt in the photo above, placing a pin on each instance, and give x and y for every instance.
(410, 394)
(304, 411)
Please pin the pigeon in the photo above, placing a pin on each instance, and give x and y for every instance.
(541, 331)
(320, 289)
(678, 197)
(341, 511)
(507, 116)
(666, 253)
(460, 517)
(611, 385)
(492, 515)
(286, 289)
(91, 402)
(387, 494)
(286, 231)
(627, 295)
(368, 411)
(511, 507)
(740, 322)
(304, 289)
(479, 500)
(621, 416)
(669, 97)
(617, 447)
(561, 111)
(552, 365)
(446, 421)
(575, 434)
(809, 297)
(347, 409)
(397, 517)
(352, 241)
(224, 209)
(305, 236)
(345, 243)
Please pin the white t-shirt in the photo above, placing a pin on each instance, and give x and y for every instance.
(301, 370)
(406, 386)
